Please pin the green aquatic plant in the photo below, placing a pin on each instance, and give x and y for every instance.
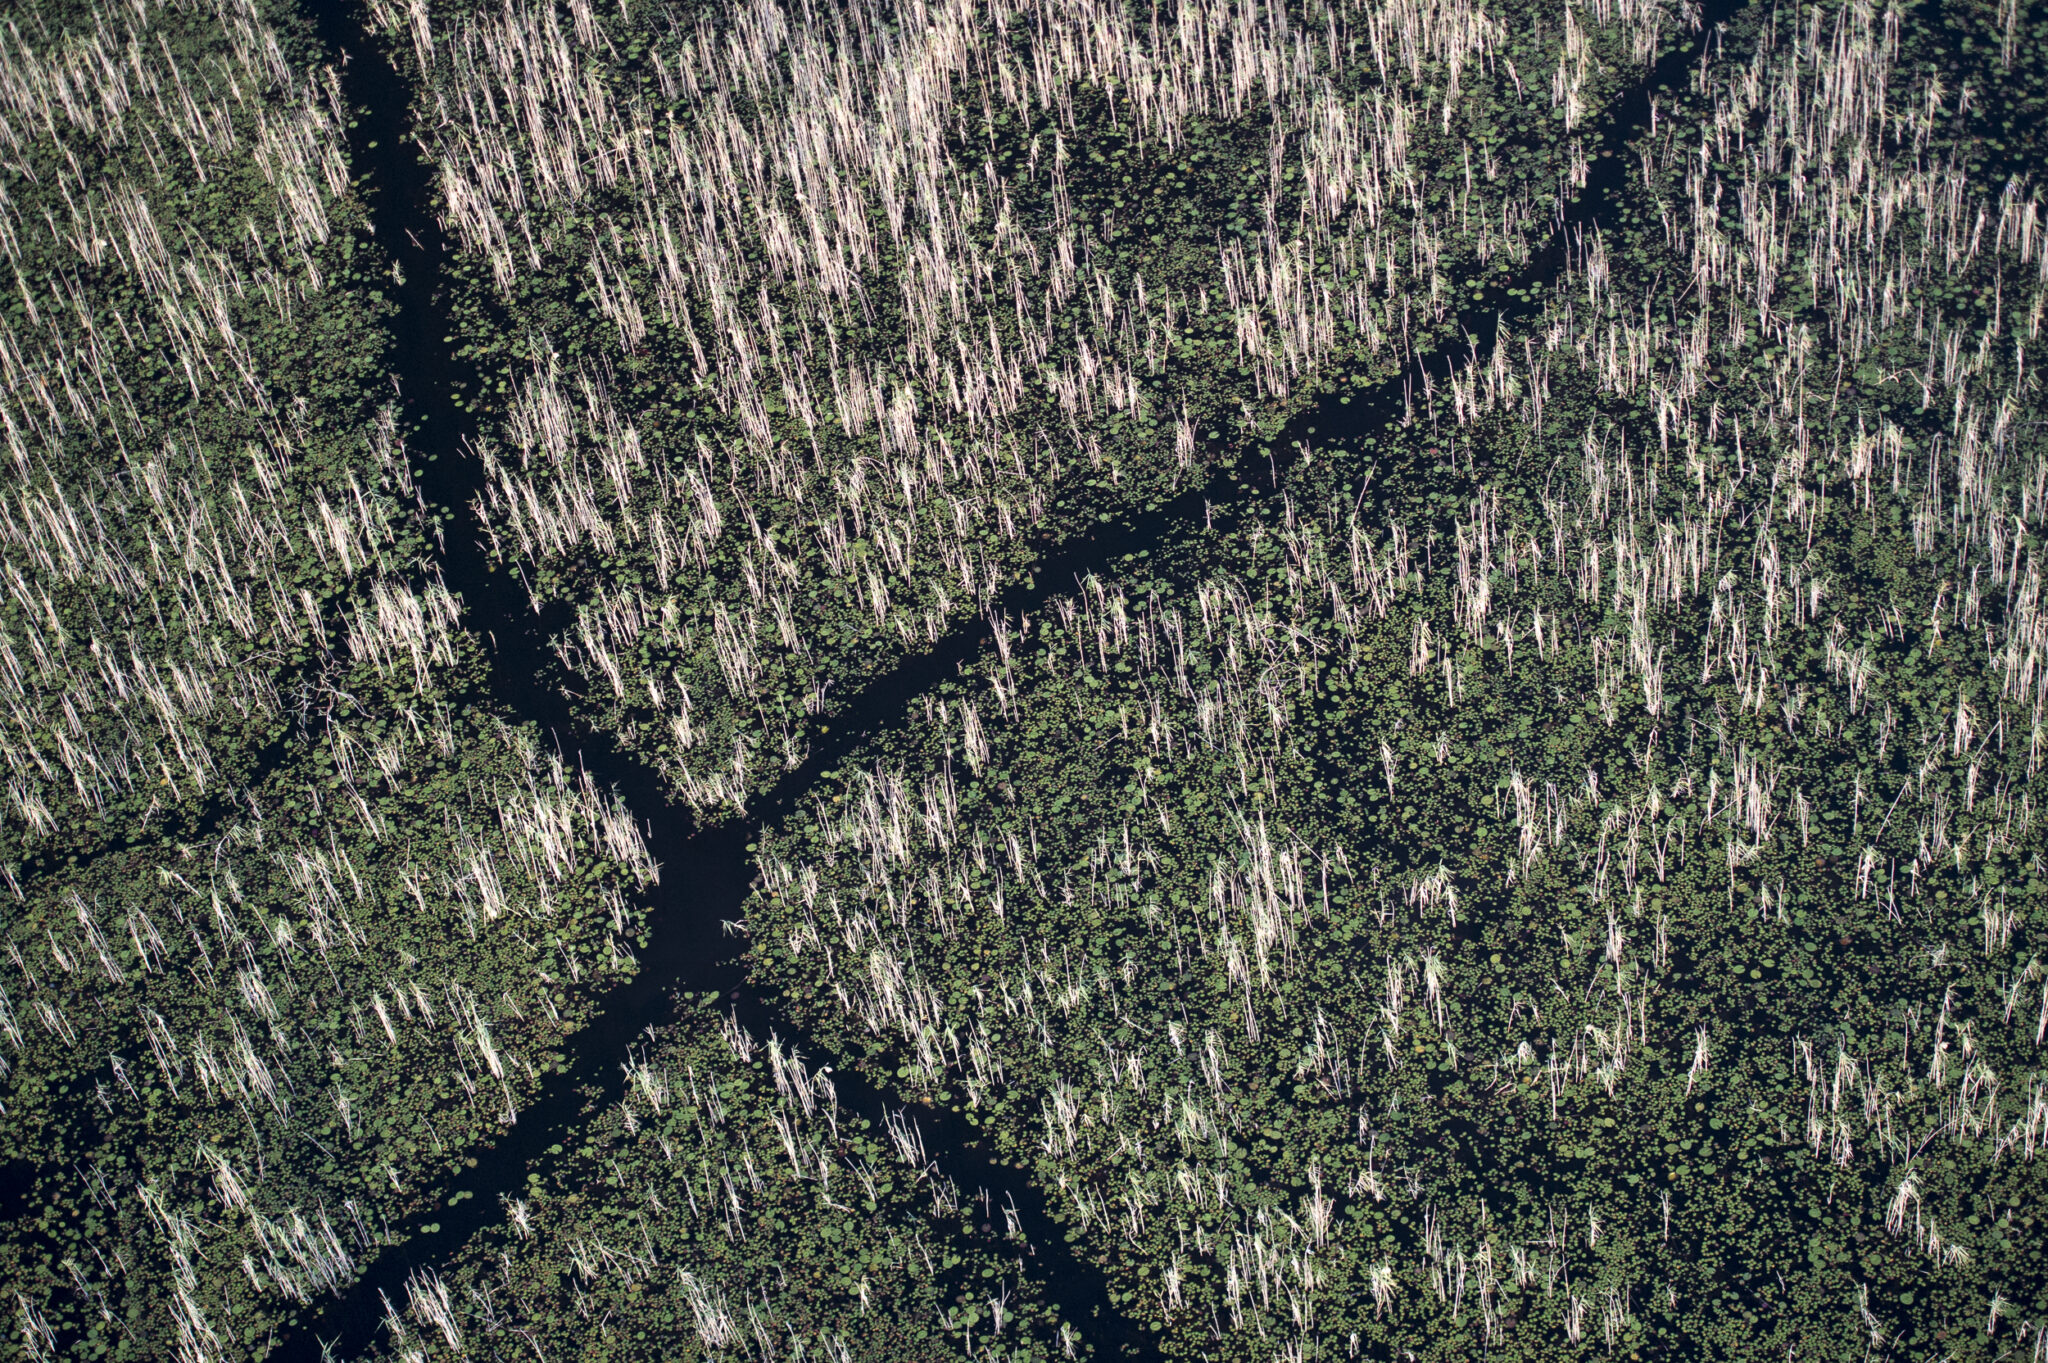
(238, 1070)
(730, 1200)
(795, 343)
(1565, 943)
(1615, 936)
(296, 918)
(205, 488)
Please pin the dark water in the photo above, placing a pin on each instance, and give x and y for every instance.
(705, 873)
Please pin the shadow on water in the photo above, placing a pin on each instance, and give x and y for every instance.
(705, 872)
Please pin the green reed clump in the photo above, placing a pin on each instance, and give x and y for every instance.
(202, 491)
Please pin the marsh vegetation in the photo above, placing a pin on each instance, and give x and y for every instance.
(1616, 937)
(797, 340)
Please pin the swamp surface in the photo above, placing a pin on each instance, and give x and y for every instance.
(772, 682)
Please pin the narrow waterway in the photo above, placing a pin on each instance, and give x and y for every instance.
(705, 872)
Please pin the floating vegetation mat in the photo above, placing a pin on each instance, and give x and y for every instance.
(241, 1068)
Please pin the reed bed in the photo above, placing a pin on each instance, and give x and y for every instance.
(238, 1070)
(936, 284)
(1256, 894)
(292, 926)
(191, 513)
(1251, 898)
(768, 1219)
